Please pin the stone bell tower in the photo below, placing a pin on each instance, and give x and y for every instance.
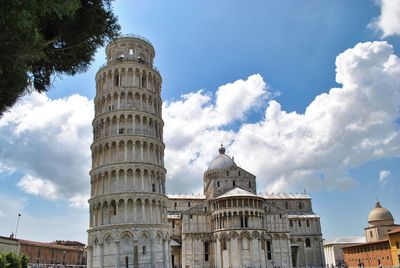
(128, 216)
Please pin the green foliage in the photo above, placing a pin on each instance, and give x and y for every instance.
(24, 261)
(11, 260)
(2, 261)
(41, 39)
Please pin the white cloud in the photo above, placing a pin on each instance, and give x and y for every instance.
(79, 201)
(193, 127)
(39, 187)
(48, 142)
(340, 129)
(383, 175)
(389, 21)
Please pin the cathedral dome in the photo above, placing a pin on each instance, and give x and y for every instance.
(221, 161)
(380, 216)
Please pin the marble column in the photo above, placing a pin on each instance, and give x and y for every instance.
(89, 257)
(117, 254)
(101, 255)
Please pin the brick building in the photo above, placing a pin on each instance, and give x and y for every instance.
(67, 253)
(382, 242)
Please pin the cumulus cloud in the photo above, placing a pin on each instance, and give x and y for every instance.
(340, 129)
(389, 21)
(193, 127)
(38, 187)
(48, 142)
(383, 175)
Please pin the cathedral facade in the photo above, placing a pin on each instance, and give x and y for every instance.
(135, 224)
(232, 226)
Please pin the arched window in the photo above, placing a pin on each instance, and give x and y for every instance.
(218, 184)
(308, 242)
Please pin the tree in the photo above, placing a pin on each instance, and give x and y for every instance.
(40, 39)
(11, 260)
(2, 261)
(24, 261)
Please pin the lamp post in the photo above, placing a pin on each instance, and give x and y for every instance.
(16, 229)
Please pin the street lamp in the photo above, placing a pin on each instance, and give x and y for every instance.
(16, 229)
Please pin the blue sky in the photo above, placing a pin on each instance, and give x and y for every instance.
(281, 55)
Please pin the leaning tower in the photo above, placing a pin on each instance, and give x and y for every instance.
(128, 217)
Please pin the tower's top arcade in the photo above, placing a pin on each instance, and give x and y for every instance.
(130, 47)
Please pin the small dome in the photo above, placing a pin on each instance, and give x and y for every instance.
(380, 215)
(221, 161)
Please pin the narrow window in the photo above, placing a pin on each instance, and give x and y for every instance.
(249, 184)
(269, 252)
(308, 223)
(240, 173)
(116, 79)
(246, 221)
(300, 205)
(291, 223)
(191, 216)
(175, 205)
(153, 187)
(286, 205)
(114, 208)
(241, 222)
(218, 184)
(227, 173)
(188, 204)
(370, 234)
(38, 253)
(308, 242)
(299, 223)
(223, 244)
(233, 184)
(280, 216)
(173, 224)
(144, 250)
(206, 251)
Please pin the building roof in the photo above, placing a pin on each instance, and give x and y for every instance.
(47, 245)
(221, 161)
(186, 196)
(369, 243)
(175, 243)
(302, 216)
(395, 230)
(346, 240)
(237, 192)
(286, 196)
(378, 213)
